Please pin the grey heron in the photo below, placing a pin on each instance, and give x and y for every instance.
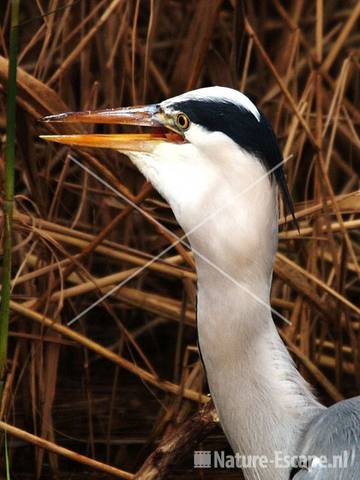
(214, 158)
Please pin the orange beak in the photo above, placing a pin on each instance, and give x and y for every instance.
(147, 116)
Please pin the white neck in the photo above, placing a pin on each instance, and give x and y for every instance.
(263, 402)
(227, 206)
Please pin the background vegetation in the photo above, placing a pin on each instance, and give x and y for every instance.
(126, 374)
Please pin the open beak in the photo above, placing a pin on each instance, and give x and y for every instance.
(148, 116)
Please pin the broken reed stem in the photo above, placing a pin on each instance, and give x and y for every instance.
(9, 190)
(181, 441)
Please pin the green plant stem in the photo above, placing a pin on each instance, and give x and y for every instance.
(9, 190)
(7, 462)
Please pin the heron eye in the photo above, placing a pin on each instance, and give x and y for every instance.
(182, 121)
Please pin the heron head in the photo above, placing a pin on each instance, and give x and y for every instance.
(204, 149)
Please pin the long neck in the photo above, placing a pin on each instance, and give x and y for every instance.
(225, 202)
(263, 402)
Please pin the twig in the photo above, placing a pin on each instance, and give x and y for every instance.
(53, 447)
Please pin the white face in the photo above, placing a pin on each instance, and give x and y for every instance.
(220, 194)
(199, 175)
(205, 172)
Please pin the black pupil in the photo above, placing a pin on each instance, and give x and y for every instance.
(182, 121)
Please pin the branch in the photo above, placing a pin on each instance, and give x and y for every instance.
(181, 441)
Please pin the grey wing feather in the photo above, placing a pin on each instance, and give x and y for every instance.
(334, 437)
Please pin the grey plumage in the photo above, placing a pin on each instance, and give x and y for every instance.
(333, 436)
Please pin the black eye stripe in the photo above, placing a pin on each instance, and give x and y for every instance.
(256, 136)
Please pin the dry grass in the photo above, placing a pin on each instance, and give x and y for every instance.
(113, 384)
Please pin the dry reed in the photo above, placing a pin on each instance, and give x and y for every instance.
(102, 394)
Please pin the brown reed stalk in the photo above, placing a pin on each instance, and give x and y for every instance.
(75, 238)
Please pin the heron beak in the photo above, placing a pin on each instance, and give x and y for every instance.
(147, 116)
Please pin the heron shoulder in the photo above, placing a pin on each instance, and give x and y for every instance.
(333, 442)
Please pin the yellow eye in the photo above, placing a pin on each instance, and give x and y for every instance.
(182, 121)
